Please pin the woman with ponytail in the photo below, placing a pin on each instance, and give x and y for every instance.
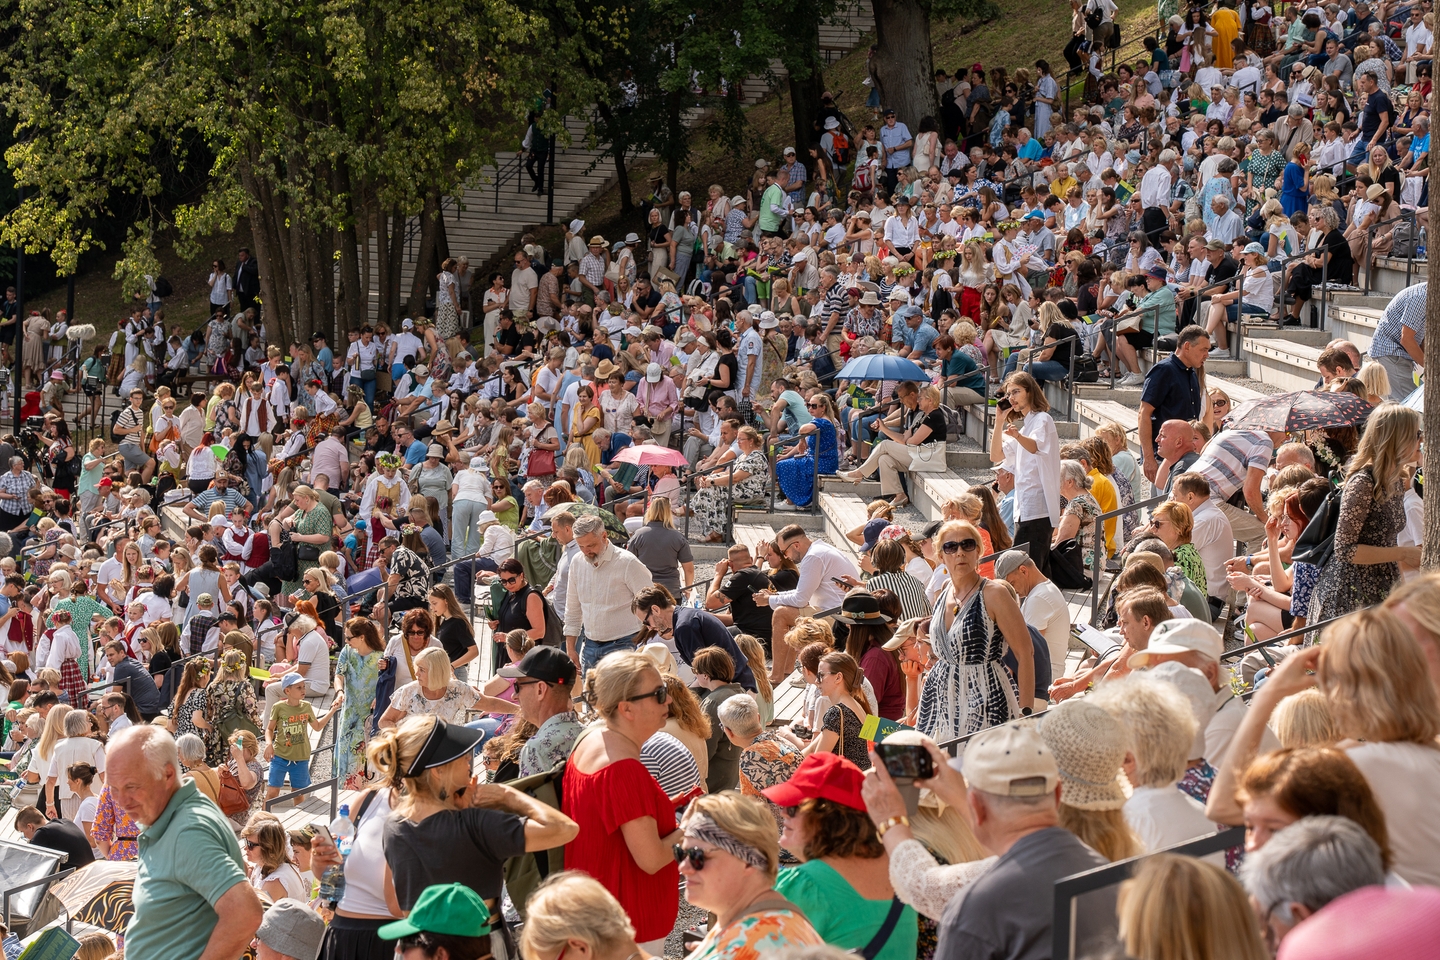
(447, 826)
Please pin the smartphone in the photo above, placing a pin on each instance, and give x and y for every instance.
(321, 829)
(1003, 404)
(910, 761)
(839, 582)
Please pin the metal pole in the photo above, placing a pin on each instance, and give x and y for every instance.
(16, 384)
(550, 198)
(1095, 574)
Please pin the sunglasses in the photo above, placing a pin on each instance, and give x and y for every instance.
(968, 545)
(790, 812)
(251, 844)
(660, 695)
(509, 580)
(417, 633)
(695, 855)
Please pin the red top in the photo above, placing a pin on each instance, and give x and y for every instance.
(603, 801)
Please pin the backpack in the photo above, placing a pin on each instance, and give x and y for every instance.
(1316, 544)
(114, 417)
(840, 147)
(163, 288)
(863, 179)
(232, 796)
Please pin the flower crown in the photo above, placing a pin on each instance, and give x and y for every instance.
(945, 254)
(904, 270)
(388, 460)
(409, 529)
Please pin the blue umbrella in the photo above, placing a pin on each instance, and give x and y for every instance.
(1416, 400)
(882, 366)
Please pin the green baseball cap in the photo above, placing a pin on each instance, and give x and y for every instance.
(452, 909)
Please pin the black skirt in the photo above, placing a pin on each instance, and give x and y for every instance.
(349, 938)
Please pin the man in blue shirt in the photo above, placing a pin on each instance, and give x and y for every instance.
(917, 335)
(1399, 341)
(405, 444)
(896, 139)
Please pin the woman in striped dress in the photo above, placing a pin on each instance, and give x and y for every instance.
(888, 559)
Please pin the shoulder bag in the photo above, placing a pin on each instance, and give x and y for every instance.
(231, 795)
(882, 936)
(928, 458)
(1317, 541)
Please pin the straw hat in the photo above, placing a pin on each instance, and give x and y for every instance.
(1089, 746)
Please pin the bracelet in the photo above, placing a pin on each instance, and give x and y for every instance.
(901, 820)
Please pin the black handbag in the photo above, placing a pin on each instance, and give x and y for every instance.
(307, 551)
(284, 563)
(1317, 541)
(1067, 566)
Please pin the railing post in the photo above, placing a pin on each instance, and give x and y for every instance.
(1095, 570)
(730, 504)
(1324, 282)
(815, 473)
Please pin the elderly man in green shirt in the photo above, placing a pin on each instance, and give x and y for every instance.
(191, 898)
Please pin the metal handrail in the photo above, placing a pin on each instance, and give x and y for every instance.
(44, 881)
(333, 784)
(1298, 631)
(1097, 566)
(504, 174)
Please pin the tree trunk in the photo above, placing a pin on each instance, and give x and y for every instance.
(904, 69)
(398, 223)
(382, 268)
(1430, 552)
(806, 79)
(675, 141)
(424, 262)
(617, 151)
(267, 255)
(352, 293)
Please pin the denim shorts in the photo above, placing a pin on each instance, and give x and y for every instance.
(299, 771)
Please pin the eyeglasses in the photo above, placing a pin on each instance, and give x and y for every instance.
(695, 855)
(790, 811)
(968, 545)
(251, 844)
(660, 695)
(417, 633)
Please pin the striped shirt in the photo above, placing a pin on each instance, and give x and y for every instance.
(910, 591)
(1229, 456)
(1406, 309)
(671, 763)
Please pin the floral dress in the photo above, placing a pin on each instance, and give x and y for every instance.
(197, 700)
(843, 722)
(115, 827)
(1187, 558)
(1344, 585)
(358, 675)
(451, 707)
(258, 768)
(796, 475)
(1264, 169)
(227, 699)
(315, 520)
(967, 689)
(413, 571)
(709, 503)
(766, 762)
(757, 934)
(41, 568)
(1085, 509)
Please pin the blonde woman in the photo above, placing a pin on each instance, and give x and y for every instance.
(665, 550)
(435, 692)
(1376, 380)
(1217, 923)
(571, 911)
(1365, 565)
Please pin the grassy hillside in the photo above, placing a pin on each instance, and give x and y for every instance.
(1022, 33)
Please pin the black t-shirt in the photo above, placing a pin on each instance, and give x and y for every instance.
(467, 846)
(456, 640)
(1390, 176)
(1224, 270)
(935, 420)
(508, 338)
(1375, 105)
(728, 361)
(1341, 266)
(651, 300)
(142, 688)
(784, 579)
(68, 838)
(159, 665)
(739, 588)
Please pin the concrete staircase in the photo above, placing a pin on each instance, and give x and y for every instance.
(836, 40)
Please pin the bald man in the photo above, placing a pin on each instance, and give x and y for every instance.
(1176, 446)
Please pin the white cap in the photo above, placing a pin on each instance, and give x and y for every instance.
(577, 225)
(1011, 761)
(652, 373)
(789, 152)
(407, 324)
(1180, 636)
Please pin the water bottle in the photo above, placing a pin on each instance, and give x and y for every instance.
(332, 881)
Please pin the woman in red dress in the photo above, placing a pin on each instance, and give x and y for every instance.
(627, 824)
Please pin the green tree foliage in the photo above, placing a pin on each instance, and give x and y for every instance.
(320, 120)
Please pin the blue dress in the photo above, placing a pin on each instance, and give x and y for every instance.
(1293, 196)
(797, 474)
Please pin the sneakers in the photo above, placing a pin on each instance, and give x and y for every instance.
(1132, 380)
(1219, 353)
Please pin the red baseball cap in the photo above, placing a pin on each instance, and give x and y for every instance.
(822, 776)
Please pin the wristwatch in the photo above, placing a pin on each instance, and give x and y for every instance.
(881, 830)
(1026, 711)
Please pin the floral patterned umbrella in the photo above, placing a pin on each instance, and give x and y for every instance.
(1303, 410)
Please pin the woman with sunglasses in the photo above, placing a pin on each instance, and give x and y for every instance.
(267, 850)
(730, 858)
(522, 607)
(357, 670)
(626, 822)
(416, 633)
(967, 688)
(796, 470)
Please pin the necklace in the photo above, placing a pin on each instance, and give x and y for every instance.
(963, 601)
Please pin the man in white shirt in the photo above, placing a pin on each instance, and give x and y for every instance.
(604, 581)
(1041, 603)
(523, 287)
(820, 565)
(547, 381)
(1155, 189)
(1211, 533)
(280, 393)
(1196, 644)
(404, 344)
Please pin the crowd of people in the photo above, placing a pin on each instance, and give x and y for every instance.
(452, 548)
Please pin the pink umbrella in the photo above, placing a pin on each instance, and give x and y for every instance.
(651, 454)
